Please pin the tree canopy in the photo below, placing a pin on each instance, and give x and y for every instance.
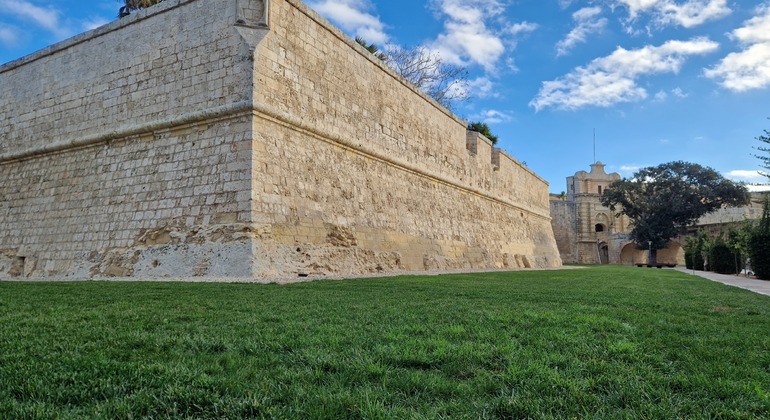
(134, 5)
(663, 200)
(759, 244)
(765, 159)
(484, 129)
(372, 48)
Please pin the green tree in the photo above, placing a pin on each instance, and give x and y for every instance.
(721, 257)
(372, 48)
(738, 238)
(484, 129)
(134, 5)
(663, 200)
(759, 244)
(690, 247)
(765, 159)
(702, 247)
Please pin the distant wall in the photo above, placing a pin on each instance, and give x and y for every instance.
(726, 215)
(253, 141)
(564, 222)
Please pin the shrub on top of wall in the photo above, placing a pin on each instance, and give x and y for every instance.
(484, 129)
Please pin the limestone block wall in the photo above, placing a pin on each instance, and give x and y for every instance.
(126, 150)
(246, 139)
(114, 208)
(308, 70)
(175, 59)
(564, 222)
(354, 151)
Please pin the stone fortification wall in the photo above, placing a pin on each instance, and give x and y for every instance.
(565, 225)
(192, 140)
(173, 61)
(399, 176)
(726, 215)
(114, 138)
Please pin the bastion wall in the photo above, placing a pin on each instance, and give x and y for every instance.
(246, 139)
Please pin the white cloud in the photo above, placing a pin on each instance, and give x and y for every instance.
(745, 176)
(754, 180)
(47, 18)
(758, 188)
(352, 16)
(748, 69)
(466, 37)
(8, 35)
(689, 13)
(482, 87)
(679, 93)
(661, 96)
(94, 23)
(613, 79)
(521, 28)
(630, 168)
(476, 32)
(492, 116)
(587, 22)
(510, 63)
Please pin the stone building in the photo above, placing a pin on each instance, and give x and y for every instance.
(589, 233)
(246, 139)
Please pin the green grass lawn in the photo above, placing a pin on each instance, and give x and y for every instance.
(601, 342)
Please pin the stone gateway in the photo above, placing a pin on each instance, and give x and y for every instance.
(246, 139)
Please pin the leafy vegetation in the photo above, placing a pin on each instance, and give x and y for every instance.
(721, 258)
(130, 6)
(484, 129)
(372, 48)
(698, 248)
(759, 244)
(765, 159)
(612, 342)
(690, 245)
(738, 239)
(663, 200)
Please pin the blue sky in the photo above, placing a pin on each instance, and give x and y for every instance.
(656, 80)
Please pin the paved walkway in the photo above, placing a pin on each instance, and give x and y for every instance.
(757, 286)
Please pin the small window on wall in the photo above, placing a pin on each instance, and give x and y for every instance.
(599, 227)
(600, 190)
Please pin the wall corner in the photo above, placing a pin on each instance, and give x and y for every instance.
(252, 20)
